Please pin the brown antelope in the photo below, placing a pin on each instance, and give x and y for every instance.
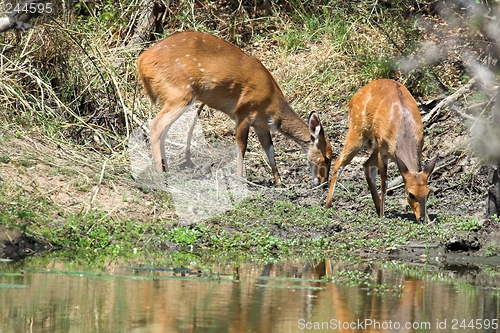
(385, 118)
(189, 66)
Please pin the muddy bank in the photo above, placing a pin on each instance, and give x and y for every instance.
(16, 245)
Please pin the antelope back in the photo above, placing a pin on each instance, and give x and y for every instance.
(383, 112)
(193, 65)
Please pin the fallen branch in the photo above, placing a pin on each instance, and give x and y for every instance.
(448, 101)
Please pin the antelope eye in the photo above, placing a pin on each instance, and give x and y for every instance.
(412, 196)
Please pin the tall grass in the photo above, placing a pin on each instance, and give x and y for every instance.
(74, 76)
(66, 84)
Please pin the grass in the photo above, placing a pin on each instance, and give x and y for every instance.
(281, 228)
(260, 227)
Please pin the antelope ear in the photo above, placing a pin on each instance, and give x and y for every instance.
(315, 128)
(401, 166)
(430, 166)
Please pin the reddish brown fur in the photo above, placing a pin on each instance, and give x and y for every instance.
(190, 66)
(385, 117)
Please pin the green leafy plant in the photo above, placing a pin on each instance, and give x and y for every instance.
(184, 235)
(468, 225)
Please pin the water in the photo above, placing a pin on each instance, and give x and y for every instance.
(285, 297)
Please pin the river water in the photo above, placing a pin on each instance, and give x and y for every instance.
(291, 296)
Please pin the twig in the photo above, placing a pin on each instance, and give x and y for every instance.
(8, 236)
(241, 179)
(99, 183)
(127, 126)
(111, 211)
(317, 187)
(492, 99)
(136, 120)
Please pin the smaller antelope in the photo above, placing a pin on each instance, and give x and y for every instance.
(385, 118)
(189, 66)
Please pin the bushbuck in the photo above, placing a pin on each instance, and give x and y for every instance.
(189, 66)
(384, 117)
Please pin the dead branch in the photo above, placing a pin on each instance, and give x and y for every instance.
(398, 181)
(448, 101)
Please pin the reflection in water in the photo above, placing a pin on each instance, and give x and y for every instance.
(288, 297)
